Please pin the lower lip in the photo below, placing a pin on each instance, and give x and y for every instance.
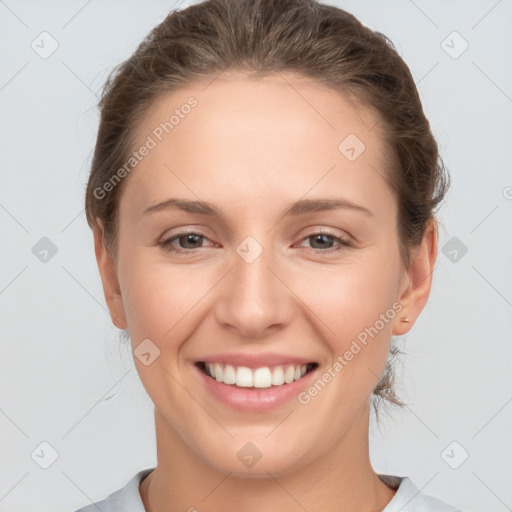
(255, 399)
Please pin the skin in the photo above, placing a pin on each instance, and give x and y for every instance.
(253, 147)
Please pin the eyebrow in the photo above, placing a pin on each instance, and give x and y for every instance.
(301, 207)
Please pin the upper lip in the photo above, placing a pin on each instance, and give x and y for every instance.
(255, 360)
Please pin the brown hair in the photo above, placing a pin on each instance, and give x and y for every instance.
(261, 37)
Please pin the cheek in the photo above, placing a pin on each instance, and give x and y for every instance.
(159, 303)
(352, 295)
(357, 303)
(157, 298)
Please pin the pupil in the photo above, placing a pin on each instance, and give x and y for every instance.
(190, 238)
(320, 237)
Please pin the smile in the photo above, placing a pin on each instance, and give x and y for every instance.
(258, 378)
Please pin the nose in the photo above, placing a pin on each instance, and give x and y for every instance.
(253, 300)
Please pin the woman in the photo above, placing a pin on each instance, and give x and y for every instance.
(262, 197)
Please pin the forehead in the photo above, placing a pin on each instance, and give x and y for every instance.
(284, 100)
(281, 132)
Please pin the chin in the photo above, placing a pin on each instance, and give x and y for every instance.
(249, 462)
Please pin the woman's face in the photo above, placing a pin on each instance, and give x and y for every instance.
(272, 280)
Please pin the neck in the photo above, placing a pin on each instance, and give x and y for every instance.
(342, 480)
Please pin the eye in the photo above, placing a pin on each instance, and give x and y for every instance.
(190, 242)
(186, 239)
(322, 238)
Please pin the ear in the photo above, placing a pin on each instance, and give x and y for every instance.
(418, 280)
(108, 273)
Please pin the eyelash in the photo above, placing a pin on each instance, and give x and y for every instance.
(167, 244)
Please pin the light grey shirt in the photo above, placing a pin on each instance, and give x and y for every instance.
(127, 499)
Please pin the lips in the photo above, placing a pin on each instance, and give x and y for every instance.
(254, 382)
(253, 399)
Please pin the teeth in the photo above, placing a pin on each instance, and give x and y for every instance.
(278, 376)
(229, 375)
(218, 372)
(244, 377)
(264, 377)
(289, 374)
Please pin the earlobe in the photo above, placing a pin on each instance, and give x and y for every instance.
(419, 278)
(108, 273)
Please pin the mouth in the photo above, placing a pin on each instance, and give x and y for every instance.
(255, 378)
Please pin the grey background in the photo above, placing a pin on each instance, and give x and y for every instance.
(64, 378)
